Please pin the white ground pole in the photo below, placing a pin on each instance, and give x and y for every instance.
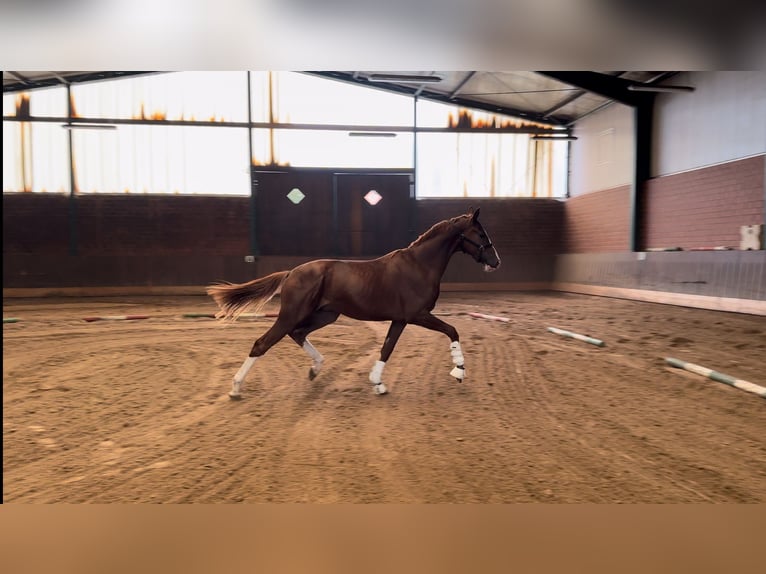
(571, 335)
(718, 377)
(490, 317)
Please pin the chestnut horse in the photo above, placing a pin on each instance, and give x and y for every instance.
(401, 287)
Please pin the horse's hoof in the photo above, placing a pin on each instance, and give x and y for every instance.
(380, 389)
(458, 373)
(312, 374)
(235, 396)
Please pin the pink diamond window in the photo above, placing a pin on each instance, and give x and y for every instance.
(372, 197)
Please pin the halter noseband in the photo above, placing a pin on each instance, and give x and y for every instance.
(478, 246)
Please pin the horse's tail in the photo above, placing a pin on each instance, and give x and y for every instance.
(234, 298)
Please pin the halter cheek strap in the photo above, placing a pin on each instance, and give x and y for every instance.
(478, 246)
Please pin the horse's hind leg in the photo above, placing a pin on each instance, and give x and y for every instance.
(271, 337)
(316, 320)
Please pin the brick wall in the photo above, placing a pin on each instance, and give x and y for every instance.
(526, 233)
(163, 225)
(705, 207)
(700, 208)
(126, 224)
(35, 224)
(598, 222)
(516, 225)
(126, 240)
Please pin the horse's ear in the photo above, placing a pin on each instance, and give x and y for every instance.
(475, 214)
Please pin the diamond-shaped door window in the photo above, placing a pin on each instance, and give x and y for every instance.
(296, 195)
(372, 197)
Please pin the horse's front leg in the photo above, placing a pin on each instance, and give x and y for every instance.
(376, 374)
(435, 324)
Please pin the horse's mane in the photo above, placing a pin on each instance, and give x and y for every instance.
(436, 229)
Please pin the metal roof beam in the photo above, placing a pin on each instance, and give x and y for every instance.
(462, 84)
(578, 94)
(56, 80)
(566, 101)
(60, 78)
(604, 85)
(19, 77)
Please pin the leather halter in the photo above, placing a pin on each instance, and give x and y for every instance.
(478, 246)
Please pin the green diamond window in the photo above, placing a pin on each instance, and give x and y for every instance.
(296, 195)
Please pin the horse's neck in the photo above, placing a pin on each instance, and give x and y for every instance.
(435, 252)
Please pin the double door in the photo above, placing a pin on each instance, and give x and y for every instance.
(330, 214)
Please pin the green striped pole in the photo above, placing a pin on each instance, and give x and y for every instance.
(115, 318)
(10, 320)
(718, 377)
(584, 338)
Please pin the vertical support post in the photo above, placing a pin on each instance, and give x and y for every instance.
(412, 211)
(72, 217)
(568, 192)
(535, 155)
(642, 158)
(251, 170)
(764, 191)
(414, 189)
(335, 224)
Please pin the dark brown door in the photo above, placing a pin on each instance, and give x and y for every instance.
(368, 228)
(332, 214)
(291, 227)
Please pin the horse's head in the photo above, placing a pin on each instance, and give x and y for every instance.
(475, 242)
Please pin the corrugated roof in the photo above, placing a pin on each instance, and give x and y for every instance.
(529, 95)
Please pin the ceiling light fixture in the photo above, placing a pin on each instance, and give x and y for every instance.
(89, 126)
(405, 78)
(372, 134)
(650, 88)
(548, 138)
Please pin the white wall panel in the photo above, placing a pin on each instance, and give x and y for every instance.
(722, 120)
(602, 156)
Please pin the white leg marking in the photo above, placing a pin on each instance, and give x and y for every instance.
(236, 385)
(377, 372)
(375, 378)
(458, 360)
(315, 355)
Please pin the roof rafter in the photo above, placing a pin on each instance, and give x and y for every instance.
(57, 79)
(612, 87)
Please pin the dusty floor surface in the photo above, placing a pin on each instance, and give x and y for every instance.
(136, 411)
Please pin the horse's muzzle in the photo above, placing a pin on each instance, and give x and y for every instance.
(490, 266)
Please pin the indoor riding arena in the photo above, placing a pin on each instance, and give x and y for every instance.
(617, 353)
